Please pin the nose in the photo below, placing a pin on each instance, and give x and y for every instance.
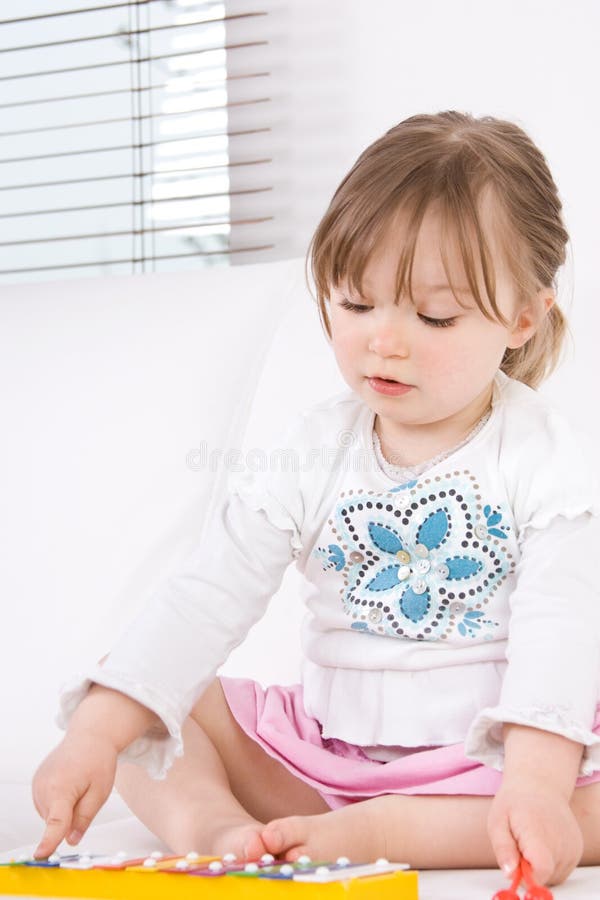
(389, 336)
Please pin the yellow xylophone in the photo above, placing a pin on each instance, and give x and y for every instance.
(157, 876)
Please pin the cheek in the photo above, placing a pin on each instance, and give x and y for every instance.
(346, 340)
(442, 353)
(466, 353)
(345, 356)
(448, 357)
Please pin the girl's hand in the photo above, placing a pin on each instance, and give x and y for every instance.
(530, 819)
(71, 785)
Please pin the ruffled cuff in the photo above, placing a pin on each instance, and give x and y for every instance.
(154, 752)
(484, 741)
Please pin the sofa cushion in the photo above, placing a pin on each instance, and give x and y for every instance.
(108, 385)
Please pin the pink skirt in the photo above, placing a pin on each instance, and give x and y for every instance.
(342, 773)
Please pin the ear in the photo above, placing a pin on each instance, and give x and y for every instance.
(530, 317)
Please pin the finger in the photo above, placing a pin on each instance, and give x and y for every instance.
(84, 813)
(560, 874)
(572, 860)
(504, 845)
(564, 863)
(540, 859)
(58, 822)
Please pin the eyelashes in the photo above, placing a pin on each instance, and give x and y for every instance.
(360, 308)
(437, 323)
(354, 307)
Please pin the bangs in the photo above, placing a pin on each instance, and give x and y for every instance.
(353, 238)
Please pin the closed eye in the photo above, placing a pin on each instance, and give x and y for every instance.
(361, 308)
(354, 307)
(437, 323)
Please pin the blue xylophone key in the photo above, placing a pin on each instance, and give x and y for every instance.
(52, 862)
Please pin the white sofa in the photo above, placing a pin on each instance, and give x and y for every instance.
(120, 397)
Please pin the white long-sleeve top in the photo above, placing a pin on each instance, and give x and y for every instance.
(437, 609)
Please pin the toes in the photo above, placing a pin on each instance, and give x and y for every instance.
(294, 855)
(286, 836)
(272, 837)
(243, 840)
(254, 847)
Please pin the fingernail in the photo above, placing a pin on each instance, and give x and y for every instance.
(509, 867)
(74, 837)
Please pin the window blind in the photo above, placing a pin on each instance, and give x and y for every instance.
(116, 143)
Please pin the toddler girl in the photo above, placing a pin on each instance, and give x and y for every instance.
(447, 713)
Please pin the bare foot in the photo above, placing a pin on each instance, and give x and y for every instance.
(354, 831)
(238, 835)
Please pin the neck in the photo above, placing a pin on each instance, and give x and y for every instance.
(410, 445)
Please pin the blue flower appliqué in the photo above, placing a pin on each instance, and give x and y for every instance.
(331, 557)
(422, 560)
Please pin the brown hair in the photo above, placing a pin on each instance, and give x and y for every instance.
(450, 158)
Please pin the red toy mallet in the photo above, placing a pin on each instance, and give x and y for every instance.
(534, 891)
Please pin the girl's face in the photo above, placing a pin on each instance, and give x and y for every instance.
(446, 354)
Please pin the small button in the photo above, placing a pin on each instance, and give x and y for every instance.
(443, 571)
(403, 573)
(457, 607)
(403, 556)
(375, 615)
(481, 531)
(421, 550)
(419, 587)
(356, 557)
(423, 566)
